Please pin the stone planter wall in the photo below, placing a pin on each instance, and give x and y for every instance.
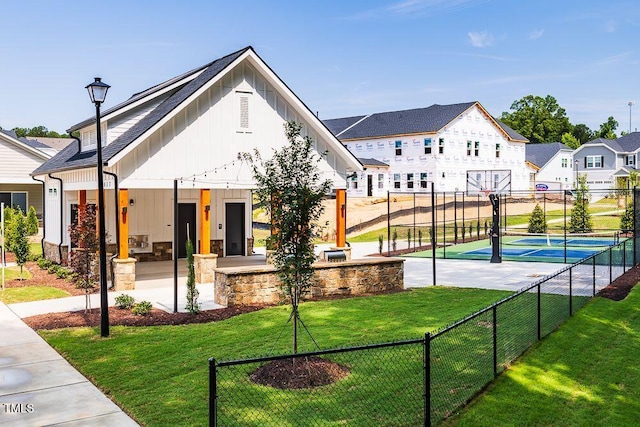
(260, 284)
(124, 274)
(204, 267)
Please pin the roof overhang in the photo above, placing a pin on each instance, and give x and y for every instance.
(351, 161)
(25, 147)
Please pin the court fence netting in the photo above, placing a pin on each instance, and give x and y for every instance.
(419, 381)
(420, 221)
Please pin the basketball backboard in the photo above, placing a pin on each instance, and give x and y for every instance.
(488, 181)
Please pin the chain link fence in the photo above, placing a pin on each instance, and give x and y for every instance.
(414, 382)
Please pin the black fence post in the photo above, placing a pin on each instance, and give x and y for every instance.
(594, 275)
(495, 341)
(539, 315)
(444, 225)
(565, 226)
(433, 233)
(624, 257)
(389, 222)
(427, 379)
(570, 291)
(610, 265)
(213, 397)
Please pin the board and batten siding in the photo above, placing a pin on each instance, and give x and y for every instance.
(208, 135)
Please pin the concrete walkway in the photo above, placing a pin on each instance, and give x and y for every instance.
(39, 388)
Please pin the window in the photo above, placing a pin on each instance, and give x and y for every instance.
(630, 160)
(497, 151)
(496, 180)
(409, 180)
(468, 148)
(398, 148)
(16, 199)
(593, 162)
(565, 163)
(427, 146)
(441, 146)
(476, 148)
(353, 184)
(396, 180)
(423, 180)
(380, 180)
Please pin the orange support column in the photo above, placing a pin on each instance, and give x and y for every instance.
(123, 218)
(205, 222)
(341, 218)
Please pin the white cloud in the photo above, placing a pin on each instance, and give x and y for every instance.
(615, 59)
(536, 34)
(481, 39)
(413, 8)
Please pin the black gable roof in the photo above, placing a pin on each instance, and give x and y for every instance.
(540, 154)
(338, 125)
(71, 158)
(419, 120)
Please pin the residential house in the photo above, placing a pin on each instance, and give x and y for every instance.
(457, 147)
(18, 157)
(184, 136)
(551, 167)
(371, 182)
(605, 160)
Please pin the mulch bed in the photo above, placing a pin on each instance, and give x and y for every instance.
(118, 317)
(299, 373)
(620, 288)
(42, 277)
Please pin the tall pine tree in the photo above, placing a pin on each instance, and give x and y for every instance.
(580, 218)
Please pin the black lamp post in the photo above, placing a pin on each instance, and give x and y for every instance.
(98, 93)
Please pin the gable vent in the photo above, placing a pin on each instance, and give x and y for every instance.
(244, 111)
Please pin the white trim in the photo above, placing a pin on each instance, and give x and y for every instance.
(358, 122)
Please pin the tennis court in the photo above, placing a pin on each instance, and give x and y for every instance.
(529, 248)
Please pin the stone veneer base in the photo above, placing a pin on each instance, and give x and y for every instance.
(260, 284)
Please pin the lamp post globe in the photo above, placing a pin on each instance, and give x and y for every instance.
(98, 92)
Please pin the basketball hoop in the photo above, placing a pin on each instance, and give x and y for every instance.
(486, 192)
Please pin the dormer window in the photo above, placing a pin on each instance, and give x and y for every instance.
(89, 137)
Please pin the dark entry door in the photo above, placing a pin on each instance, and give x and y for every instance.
(186, 216)
(234, 235)
(369, 185)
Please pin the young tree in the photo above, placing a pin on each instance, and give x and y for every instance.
(192, 293)
(84, 259)
(290, 186)
(537, 221)
(19, 241)
(626, 222)
(570, 141)
(32, 222)
(580, 218)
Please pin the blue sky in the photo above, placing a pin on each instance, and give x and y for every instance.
(340, 57)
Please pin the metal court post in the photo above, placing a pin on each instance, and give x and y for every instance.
(433, 232)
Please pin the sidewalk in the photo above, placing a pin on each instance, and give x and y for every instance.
(38, 387)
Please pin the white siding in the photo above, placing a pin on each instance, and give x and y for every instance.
(16, 164)
(454, 162)
(205, 137)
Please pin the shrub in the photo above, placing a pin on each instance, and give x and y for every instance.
(53, 267)
(63, 272)
(626, 222)
(142, 308)
(32, 221)
(380, 243)
(43, 263)
(394, 239)
(537, 221)
(125, 302)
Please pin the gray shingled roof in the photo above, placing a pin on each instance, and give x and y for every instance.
(512, 133)
(611, 143)
(540, 154)
(629, 142)
(10, 133)
(372, 162)
(33, 143)
(71, 158)
(338, 125)
(419, 120)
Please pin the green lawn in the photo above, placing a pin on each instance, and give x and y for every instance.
(31, 293)
(13, 272)
(584, 374)
(159, 374)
